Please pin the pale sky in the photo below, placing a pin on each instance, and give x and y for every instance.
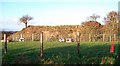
(52, 12)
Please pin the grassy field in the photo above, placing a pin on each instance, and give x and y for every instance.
(60, 53)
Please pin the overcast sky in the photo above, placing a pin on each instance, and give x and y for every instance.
(52, 12)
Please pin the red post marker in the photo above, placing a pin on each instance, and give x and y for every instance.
(112, 47)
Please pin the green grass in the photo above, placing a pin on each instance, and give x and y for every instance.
(59, 53)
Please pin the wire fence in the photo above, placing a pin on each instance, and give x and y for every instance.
(70, 37)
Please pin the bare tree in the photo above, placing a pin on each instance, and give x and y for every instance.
(93, 17)
(25, 19)
(111, 23)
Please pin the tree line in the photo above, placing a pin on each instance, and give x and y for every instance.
(111, 26)
(91, 26)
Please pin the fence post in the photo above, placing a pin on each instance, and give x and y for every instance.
(89, 37)
(21, 36)
(41, 44)
(32, 37)
(16, 38)
(110, 38)
(103, 37)
(114, 37)
(5, 45)
(12, 37)
(78, 42)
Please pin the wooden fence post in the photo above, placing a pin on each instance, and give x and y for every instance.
(110, 38)
(103, 37)
(32, 37)
(114, 37)
(78, 42)
(41, 44)
(21, 36)
(12, 37)
(1, 50)
(5, 45)
(89, 37)
(16, 38)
